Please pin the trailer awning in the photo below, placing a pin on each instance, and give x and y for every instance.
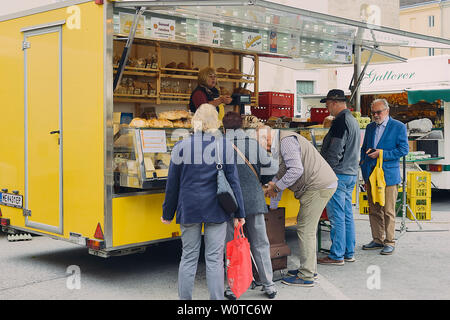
(311, 28)
(431, 96)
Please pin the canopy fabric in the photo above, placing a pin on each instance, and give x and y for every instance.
(415, 96)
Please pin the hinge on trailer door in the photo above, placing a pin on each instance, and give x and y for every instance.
(25, 45)
(26, 213)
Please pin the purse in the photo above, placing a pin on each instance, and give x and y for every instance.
(225, 194)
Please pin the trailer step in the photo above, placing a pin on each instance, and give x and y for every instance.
(19, 237)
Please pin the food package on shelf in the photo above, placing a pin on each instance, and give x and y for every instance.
(151, 61)
(140, 63)
(141, 87)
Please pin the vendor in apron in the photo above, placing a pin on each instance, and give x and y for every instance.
(206, 92)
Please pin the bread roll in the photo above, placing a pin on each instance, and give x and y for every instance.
(237, 72)
(138, 123)
(173, 115)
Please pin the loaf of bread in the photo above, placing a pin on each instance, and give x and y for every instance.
(138, 123)
(159, 123)
(173, 115)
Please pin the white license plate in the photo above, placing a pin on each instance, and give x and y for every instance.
(12, 200)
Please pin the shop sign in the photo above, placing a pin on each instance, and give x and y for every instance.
(252, 41)
(373, 76)
(342, 52)
(126, 22)
(163, 28)
(153, 141)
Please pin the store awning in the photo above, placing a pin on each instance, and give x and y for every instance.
(303, 35)
(431, 96)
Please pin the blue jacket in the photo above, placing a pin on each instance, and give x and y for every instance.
(393, 142)
(191, 188)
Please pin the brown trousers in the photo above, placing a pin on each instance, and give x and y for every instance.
(382, 219)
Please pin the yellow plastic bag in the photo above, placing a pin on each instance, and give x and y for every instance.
(377, 182)
(221, 111)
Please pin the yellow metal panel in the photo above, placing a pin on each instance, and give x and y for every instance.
(291, 206)
(82, 104)
(11, 117)
(83, 118)
(43, 117)
(137, 219)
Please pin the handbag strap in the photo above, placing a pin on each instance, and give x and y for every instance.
(245, 159)
(239, 231)
(380, 159)
(218, 162)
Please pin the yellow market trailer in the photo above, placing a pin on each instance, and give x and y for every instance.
(69, 168)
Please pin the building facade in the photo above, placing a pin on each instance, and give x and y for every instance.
(426, 17)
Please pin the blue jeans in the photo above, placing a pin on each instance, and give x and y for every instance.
(340, 214)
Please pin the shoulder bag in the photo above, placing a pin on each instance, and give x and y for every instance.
(225, 194)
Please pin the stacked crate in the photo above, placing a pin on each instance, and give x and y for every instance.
(274, 104)
(363, 203)
(419, 195)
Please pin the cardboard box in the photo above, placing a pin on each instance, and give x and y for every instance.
(412, 145)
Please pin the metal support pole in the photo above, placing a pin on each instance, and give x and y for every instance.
(126, 50)
(356, 93)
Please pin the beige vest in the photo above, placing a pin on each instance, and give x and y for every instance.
(317, 173)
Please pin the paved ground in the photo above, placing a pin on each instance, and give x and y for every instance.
(41, 269)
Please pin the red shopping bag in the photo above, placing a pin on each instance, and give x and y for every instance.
(239, 263)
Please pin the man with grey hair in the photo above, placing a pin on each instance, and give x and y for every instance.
(390, 136)
(303, 171)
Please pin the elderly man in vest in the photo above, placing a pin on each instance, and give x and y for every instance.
(303, 171)
(389, 135)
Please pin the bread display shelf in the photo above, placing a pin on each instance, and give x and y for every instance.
(172, 94)
(132, 71)
(178, 66)
(134, 98)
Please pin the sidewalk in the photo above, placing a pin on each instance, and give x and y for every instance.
(417, 270)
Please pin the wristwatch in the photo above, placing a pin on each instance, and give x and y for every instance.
(276, 189)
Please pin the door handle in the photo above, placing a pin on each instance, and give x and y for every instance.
(53, 132)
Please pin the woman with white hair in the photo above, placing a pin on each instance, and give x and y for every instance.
(191, 192)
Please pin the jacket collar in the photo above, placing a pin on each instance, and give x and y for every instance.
(387, 125)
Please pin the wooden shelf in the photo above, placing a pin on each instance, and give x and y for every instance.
(192, 55)
(134, 98)
(139, 71)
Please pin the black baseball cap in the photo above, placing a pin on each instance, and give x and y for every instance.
(335, 95)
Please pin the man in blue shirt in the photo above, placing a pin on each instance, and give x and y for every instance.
(389, 135)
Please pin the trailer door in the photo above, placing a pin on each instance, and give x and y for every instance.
(43, 201)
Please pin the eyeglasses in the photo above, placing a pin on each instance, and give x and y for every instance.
(377, 112)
